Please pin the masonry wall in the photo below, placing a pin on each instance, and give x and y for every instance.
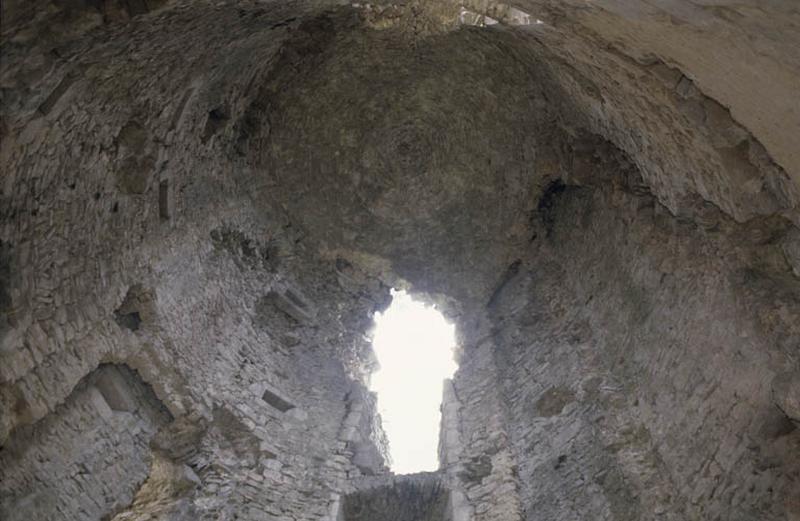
(126, 241)
(213, 197)
(88, 457)
(412, 497)
(636, 357)
(257, 382)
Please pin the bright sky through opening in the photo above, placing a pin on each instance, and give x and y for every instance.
(414, 345)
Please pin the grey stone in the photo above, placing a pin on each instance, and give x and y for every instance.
(203, 204)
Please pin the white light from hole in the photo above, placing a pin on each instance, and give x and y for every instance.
(414, 346)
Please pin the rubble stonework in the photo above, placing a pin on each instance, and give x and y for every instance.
(203, 204)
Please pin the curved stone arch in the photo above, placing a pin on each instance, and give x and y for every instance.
(88, 457)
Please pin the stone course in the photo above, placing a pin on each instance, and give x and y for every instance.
(203, 204)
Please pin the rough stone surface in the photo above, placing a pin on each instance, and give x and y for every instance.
(420, 497)
(202, 205)
(89, 456)
(637, 377)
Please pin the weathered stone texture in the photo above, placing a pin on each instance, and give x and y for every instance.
(89, 456)
(418, 497)
(637, 375)
(98, 273)
(204, 203)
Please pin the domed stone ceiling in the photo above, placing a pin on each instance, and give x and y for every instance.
(374, 140)
(204, 203)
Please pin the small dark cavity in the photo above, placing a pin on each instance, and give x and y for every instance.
(560, 461)
(546, 208)
(276, 401)
(130, 321)
(163, 200)
(217, 119)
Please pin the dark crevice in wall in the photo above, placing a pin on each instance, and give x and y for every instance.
(276, 401)
(130, 321)
(217, 119)
(547, 202)
(164, 200)
(137, 307)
